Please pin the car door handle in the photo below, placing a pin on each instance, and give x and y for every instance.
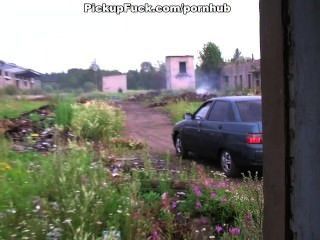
(220, 127)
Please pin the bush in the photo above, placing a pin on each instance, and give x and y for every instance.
(64, 113)
(97, 121)
(11, 90)
(78, 197)
(33, 91)
(48, 88)
(74, 199)
(77, 91)
(89, 86)
(177, 110)
(249, 201)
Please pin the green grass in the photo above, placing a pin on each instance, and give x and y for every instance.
(74, 194)
(64, 113)
(97, 121)
(177, 110)
(12, 108)
(97, 95)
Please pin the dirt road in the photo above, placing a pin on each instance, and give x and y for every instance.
(150, 126)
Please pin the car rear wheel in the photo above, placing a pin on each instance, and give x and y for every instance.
(179, 147)
(227, 164)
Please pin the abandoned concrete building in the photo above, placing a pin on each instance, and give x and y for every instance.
(114, 83)
(13, 75)
(239, 75)
(180, 72)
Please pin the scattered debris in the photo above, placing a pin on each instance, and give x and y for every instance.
(33, 97)
(166, 99)
(129, 143)
(145, 96)
(187, 96)
(111, 235)
(32, 130)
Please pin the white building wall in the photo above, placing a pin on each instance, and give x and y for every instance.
(114, 83)
(175, 78)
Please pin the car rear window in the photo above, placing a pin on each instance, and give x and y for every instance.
(250, 111)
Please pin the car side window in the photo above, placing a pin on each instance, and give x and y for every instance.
(202, 112)
(222, 112)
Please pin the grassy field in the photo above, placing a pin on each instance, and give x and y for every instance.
(112, 96)
(80, 198)
(177, 110)
(12, 108)
(90, 189)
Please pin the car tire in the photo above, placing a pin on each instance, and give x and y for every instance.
(227, 164)
(180, 151)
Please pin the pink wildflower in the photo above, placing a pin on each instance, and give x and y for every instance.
(219, 229)
(155, 235)
(213, 195)
(197, 191)
(198, 205)
(248, 218)
(208, 182)
(174, 204)
(234, 231)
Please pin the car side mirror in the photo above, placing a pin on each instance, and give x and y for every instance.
(187, 116)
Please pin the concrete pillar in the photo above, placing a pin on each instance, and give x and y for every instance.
(290, 47)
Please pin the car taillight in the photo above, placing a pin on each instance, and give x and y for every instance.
(254, 138)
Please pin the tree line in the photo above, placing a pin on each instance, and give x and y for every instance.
(147, 77)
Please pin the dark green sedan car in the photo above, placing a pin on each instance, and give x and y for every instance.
(224, 128)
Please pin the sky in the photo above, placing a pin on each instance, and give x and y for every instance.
(56, 35)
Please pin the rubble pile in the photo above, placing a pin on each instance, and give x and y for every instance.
(33, 130)
(145, 96)
(186, 96)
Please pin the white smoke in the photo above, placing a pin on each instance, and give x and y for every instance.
(202, 90)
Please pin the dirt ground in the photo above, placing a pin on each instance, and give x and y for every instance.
(150, 126)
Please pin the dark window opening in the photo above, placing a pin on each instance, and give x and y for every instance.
(258, 83)
(241, 83)
(236, 81)
(182, 67)
(249, 81)
(226, 80)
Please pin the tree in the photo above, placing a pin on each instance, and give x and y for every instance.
(146, 67)
(133, 79)
(149, 77)
(211, 59)
(89, 86)
(207, 74)
(236, 55)
(77, 78)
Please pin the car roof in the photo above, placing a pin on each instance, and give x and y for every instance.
(237, 98)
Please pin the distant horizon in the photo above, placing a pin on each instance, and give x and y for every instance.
(109, 70)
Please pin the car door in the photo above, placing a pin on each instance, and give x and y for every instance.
(215, 129)
(191, 131)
